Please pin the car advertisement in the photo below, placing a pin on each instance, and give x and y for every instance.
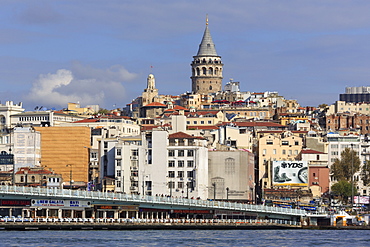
(293, 173)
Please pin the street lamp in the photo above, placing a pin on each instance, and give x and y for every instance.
(70, 176)
(214, 191)
(352, 175)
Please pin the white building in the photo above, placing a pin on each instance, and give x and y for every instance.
(162, 164)
(337, 144)
(26, 147)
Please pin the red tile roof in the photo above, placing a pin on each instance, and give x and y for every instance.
(311, 151)
(201, 127)
(255, 124)
(155, 104)
(182, 135)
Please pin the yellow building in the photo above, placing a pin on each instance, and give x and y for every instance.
(277, 146)
(66, 151)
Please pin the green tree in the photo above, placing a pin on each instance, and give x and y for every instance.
(365, 173)
(323, 105)
(343, 189)
(103, 111)
(346, 166)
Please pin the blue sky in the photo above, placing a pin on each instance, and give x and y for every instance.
(100, 52)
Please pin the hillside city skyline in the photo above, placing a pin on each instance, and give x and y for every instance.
(53, 54)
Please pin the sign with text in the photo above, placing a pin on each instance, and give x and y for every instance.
(60, 203)
(361, 199)
(293, 173)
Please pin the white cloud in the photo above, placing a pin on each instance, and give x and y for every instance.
(83, 84)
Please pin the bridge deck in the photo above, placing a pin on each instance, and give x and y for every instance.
(151, 201)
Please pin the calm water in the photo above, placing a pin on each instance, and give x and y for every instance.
(187, 238)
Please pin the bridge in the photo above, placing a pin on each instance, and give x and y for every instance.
(147, 202)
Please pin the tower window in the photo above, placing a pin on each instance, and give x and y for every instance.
(204, 71)
(210, 87)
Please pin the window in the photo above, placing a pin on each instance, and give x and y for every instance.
(118, 184)
(118, 173)
(181, 153)
(190, 163)
(190, 153)
(119, 162)
(180, 185)
(296, 143)
(119, 151)
(229, 166)
(134, 152)
(171, 153)
(171, 185)
(264, 151)
(190, 174)
(171, 163)
(180, 174)
(285, 143)
(171, 174)
(180, 163)
(284, 151)
(105, 144)
(269, 142)
(274, 151)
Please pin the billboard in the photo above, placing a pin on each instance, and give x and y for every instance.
(60, 203)
(293, 173)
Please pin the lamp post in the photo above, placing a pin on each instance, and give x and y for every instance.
(227, 193)
(214, 191)
(352, 175)
(70, 176)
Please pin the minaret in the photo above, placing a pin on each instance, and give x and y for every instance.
(206, 67)
(150, 92)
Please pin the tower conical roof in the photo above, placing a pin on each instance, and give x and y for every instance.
(207, 47)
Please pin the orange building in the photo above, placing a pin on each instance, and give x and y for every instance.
(66, 151)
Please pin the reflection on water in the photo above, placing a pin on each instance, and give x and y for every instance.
(187, 238)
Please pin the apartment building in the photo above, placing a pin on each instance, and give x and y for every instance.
(231, 175)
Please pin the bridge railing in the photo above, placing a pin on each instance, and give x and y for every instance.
(111, 196)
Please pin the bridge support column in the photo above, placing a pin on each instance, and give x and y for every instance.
(104, 214)
(152, 215)
(72, 213)
(10, 212)
(137, 214)
(60, 213)
(126, 214)
(84, 214)
(162, 215)
(46, 213)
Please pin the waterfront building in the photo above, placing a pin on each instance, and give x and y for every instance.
(318, 171)
(160, 163)
(359, 144)
(26, 147)
(231, 175)
(42, 118)
(276, 146)
(65, 150)
(37, 177)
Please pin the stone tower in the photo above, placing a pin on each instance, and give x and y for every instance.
(206, 67)
(150, 92)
